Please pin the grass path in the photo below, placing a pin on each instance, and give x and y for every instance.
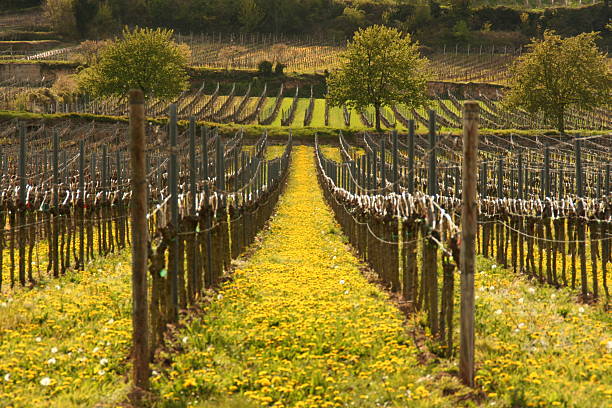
(299, 325)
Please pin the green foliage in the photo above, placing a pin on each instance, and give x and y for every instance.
(381, 67)
(461, 31)
(60, 14)
(559, 73)
(250, 15)
(279, 68)
(265, 67)
(144, 58)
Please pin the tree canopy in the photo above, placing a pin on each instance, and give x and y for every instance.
(559, 73)
(143, 59)
(381, 67)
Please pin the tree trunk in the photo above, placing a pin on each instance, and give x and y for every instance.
(561, 120)
(377, 108)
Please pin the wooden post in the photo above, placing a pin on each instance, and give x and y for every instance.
(546, 180)
(140, 317)
(220, 170)
(22, 204)
(483, 183)
(520, 176)
(208, 277)
(174, 212)
(500, 178)
(395, 163)
(411, 156)
(193, 170)
(383, 164)
(579, 191)
(56, 268)
(82, 205)
(432, 179)
(607, 187)
(469, 223)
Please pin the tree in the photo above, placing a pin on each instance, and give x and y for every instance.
(60, 14)
(381, 67)
(559, 73)
(250, 15)
(143, 59)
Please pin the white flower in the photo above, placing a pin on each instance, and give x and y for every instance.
(531, 290)
(51, 361)
(492, 288)
(553, 296)
(608, 347)
(184, 339)
(521, 325)
(342, 281)
(154, 372)
(96, 349)
(103, 361)
(38, 339)
(58, 287)
(493, 266)
(111, 321)
(521, 300)
(219, 296)
(4, 304)
(45, 381)
(101, 372)
(54, 350)
(498, 312)
(581, 309)
(346, 292)
(7, 376)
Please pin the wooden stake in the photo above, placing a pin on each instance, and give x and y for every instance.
(140, 321)
(469, 224)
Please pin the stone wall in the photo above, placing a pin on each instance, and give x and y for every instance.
(34, 72)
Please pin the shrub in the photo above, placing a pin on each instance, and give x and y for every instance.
(279, 69)
(265, 67)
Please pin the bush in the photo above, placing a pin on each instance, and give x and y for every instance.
(279, 69)
(265, 68)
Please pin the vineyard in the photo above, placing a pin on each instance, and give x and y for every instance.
(543, 230)
(291, 108)
(247, 244)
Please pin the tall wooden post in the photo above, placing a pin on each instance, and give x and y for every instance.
(500, 178)
(56, 191)
(607, 187)
(411, 156)
(22, 204)
(174, 212)
(579, 191)
(395, 164)
(383, 165)
(469, 223)
(208, 277)
(432, 179)
(546, 180)
(140, 317)
(82, 205)
(520, 177)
